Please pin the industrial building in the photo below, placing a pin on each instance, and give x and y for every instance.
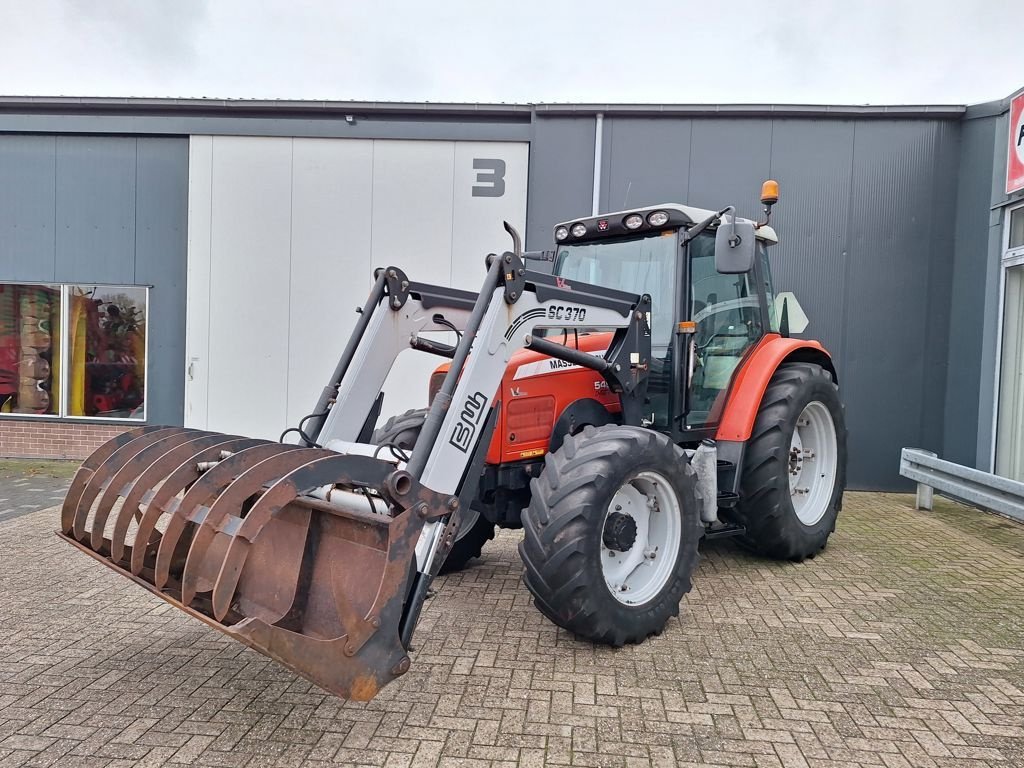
(197, 262)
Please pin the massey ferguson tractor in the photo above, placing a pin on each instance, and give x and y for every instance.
(644, 396)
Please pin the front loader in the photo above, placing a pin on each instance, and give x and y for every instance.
(320, 556)
(615, 429)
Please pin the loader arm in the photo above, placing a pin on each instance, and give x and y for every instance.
(320, 555)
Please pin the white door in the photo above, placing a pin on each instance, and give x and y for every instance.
(1010, 413)
(283, 237)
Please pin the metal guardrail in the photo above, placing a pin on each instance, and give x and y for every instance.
(982, 489)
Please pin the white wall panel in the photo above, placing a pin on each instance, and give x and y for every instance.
(284, 234)
(478, 210)
(412, 229)
(249, 285)
(197, 318)
(331, 269)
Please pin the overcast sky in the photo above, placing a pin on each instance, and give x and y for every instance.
(814, 51)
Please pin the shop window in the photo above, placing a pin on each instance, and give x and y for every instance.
(1016, 228)
(29, 348)
(100, 372)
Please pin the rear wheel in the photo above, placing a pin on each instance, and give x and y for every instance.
(611, 534)
(474, 529)
(794, 470)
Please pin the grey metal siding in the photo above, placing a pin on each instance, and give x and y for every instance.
(663, 175)
(95, 208)
(968, 296)
(865, 224)
(27, 203)
(728, 161)
(561, 176)
(891, 336)
(104, 209)
(161, 243)
(813, 162)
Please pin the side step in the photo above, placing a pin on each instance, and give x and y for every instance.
(724, 531)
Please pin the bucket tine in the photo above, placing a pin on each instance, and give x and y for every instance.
(324, 470)
(105, 472)
(271, 503)
(226, 506)
(161, 456)
(183, 461)
(86, 470)
(200, 494)
(180, 513)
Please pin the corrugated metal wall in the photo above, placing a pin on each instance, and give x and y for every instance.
(867, 220)
(104, 209)
(866, 224)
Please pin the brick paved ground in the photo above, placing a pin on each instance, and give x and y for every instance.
(28, 486)
(902, 645)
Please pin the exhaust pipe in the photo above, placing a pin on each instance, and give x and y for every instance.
(705, 463)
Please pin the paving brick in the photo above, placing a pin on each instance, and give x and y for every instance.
(900, 645)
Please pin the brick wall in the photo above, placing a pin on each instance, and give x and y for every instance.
(32, 439)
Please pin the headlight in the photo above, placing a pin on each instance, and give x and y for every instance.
(578, 230)
(561, 233)
(633, 221)
(657, 219)
(434, 385)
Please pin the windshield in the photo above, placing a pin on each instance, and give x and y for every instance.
(640, 265)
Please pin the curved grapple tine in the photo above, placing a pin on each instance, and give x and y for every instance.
(86, 470)
(320, 471)
(165, 471)
(178, 510)
(140, 468)
(208, 485)
(103, 474)
(202, 564)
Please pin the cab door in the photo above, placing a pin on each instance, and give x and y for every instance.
(730, 315)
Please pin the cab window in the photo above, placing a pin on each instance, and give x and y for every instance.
(727, 313)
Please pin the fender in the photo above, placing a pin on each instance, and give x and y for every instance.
(579, 414)
(751, 380)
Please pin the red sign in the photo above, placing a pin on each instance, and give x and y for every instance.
(1015, 157)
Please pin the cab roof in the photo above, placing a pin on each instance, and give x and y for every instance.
(611, 224)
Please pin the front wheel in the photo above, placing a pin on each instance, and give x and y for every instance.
(794, 469)
(611, 534)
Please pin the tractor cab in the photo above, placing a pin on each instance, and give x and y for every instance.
(712, 301)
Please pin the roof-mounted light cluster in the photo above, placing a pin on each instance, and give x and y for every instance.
(612, 225)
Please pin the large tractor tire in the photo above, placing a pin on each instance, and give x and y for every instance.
(474, 529)
(611, 534)
(794, 469)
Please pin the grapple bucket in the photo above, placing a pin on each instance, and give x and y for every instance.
(303, 554)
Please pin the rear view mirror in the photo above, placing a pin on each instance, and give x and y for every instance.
(734, 246)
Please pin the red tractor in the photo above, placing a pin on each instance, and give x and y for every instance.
(644, 396)
(756, 412)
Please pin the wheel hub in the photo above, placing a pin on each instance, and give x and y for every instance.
(619, 532)
(812, 462)
(640, 538)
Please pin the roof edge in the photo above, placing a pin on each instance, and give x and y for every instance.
(284, 107)
(104, 104)
(953, 111)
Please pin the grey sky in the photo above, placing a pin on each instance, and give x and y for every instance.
(831, 51)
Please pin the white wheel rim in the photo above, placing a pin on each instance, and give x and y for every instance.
(813, 456)
(637, 575)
